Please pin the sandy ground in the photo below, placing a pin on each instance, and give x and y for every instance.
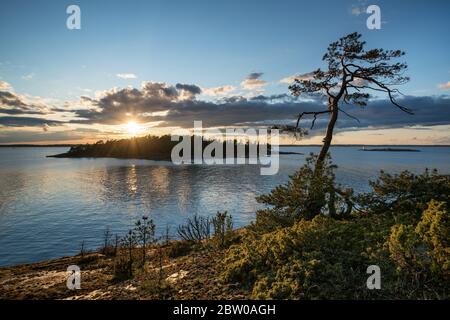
(192, 276)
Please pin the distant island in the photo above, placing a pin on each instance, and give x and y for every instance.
(290, 152)
(27, 145)
(390, 149)
(148, 148)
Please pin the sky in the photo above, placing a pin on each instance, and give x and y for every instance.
(147, 67)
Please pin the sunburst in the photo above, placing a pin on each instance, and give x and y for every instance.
(133, 128)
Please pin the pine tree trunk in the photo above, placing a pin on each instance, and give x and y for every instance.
(328, 137)
(317, 201)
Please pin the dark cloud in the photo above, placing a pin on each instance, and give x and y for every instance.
(379, 113)
(254, 75)
(253, 81)
(177, 106)
(145, 104)
(428, 110)
(117, 106)
(27, 136)
(226, 113)
(114, 106)
(273, 97)
(192, 88)
(11, 103)
(27, 122)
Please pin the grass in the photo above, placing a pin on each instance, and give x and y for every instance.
(190, 273)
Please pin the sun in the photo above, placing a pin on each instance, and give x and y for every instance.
(133, 128)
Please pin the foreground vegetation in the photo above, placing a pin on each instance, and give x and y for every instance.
(325, 258)
(402, 226)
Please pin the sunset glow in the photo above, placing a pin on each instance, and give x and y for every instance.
(133, 128)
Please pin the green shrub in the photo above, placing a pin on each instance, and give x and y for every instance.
(434, 229)
(405, 193)
(321, 258)
(223, 228)
(145, 234)
(307, 194)
(325, 258)
(126, 259)
(121, 268)
(422, 252)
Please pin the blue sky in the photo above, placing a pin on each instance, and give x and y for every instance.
(206, 43)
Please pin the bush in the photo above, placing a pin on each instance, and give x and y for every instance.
(145, 234)
(126, 260)
(307, 194)
(123, 250)
(325, 258)
(107, 248)
(196, 229)
(422, 252)
(223, 227)
(434, 230)
(321, 258)
(405, 193)
(121, 268)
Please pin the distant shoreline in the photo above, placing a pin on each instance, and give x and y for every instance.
(36, 145)
(369, 145)
(281, 145)
(389, 150)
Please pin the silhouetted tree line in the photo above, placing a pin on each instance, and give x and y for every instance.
(149, 147)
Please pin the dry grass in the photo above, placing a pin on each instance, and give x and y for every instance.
(192, 276)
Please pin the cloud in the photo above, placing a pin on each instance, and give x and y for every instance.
(115, 105)
(253, 81)
(291, 79)
(359, 8)
(160, 102)
(85, 90)
(360, 82)
(356, 11)
(178, 106)
(30, 136)
(28, 76)
(445, 85)
(218, 91)
(168, 104)
(15, 104)
(278, 109)
(428, 111)
(188, 91)
(28, 122)
(274, 97)
(5, 86)
(126, 76)
(192, 88)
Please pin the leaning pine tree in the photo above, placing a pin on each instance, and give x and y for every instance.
(352, 72)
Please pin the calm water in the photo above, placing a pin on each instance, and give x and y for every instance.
(49, 206)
